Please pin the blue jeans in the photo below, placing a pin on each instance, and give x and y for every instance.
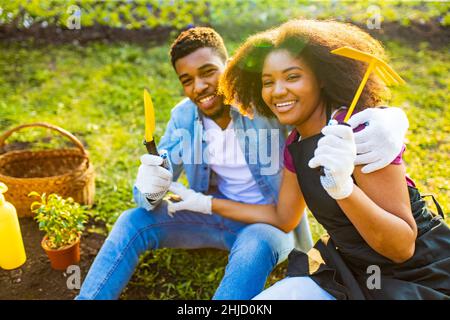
(255, 249)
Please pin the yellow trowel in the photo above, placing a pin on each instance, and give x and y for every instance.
(149, 141)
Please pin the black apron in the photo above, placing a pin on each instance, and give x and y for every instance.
(339, 261)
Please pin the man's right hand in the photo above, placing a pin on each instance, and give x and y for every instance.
(152, 179)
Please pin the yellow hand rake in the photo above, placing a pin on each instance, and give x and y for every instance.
(381, 68)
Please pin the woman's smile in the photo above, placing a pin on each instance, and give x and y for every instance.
(285, 106)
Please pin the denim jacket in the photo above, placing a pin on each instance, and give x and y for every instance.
(261, 140)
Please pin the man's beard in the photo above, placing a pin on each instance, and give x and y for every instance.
(218, 113)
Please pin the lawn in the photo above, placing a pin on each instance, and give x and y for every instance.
(95, 92)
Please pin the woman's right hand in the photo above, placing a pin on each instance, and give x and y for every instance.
(336, 152)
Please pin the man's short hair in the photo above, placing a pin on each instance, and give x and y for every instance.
(195, 38)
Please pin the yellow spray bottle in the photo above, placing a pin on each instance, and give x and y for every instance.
(12, 251)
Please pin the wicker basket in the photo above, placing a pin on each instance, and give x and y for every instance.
(66, 172)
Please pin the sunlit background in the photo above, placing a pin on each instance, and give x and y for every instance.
(82, 65)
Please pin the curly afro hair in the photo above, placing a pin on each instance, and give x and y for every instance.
(312, 40)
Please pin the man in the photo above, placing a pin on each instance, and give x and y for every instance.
(223, 154)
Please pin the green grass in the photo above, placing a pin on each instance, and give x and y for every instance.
(96, 92)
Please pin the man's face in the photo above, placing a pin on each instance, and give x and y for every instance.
(199, 74)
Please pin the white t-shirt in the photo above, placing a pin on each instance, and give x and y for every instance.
(226, 159)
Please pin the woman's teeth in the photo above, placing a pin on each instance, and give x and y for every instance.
(284, 104)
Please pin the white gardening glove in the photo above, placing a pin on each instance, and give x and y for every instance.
(381, 141)
(153, 180)
(336, 152)
(191, 200)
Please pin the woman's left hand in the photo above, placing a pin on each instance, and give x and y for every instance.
(381, 141)
(336, 152)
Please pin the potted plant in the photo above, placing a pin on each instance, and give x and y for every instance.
(63, 221)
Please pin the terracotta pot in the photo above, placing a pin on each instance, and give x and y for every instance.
(61, 258)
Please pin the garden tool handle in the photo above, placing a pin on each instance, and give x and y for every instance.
(151, 147)
(359, 90)
(63, 132)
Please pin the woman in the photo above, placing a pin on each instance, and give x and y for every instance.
(378, 223)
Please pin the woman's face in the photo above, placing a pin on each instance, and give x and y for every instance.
(291, 90)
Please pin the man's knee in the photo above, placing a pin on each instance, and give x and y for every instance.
(261, 233)
(131, 223)
(131, 218)
(134, 225)
(264, 239)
